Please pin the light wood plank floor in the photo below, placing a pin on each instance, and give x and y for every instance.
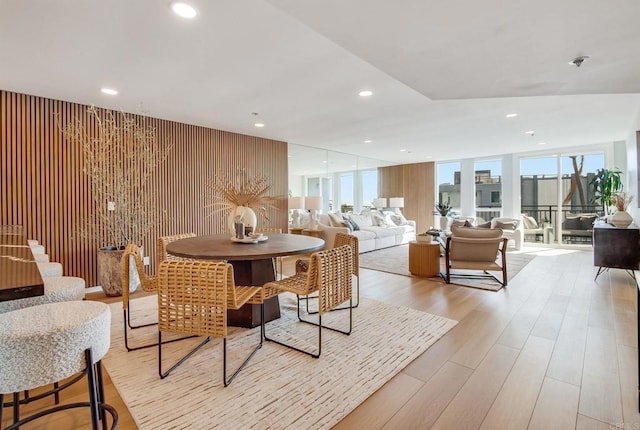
(553, 350)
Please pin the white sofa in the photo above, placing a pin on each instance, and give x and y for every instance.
(370, 236)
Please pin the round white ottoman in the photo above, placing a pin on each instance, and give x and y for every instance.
(49, 269)
(44, 344)
(56, 289)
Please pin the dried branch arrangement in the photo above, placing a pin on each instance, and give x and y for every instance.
(120, 154)
(227, 194)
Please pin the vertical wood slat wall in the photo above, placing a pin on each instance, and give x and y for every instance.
(414, 182)
(44, 188)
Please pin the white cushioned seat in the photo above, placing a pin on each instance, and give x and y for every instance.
(37, 249)
(41, 258)
(56, 289)
(50, 269)
(43, 344)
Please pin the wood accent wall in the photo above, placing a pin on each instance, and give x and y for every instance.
(414, 182)
(44, 188)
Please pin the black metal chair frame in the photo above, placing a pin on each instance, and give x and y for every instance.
(226, 380)
(320, 327)
(447, 275)
(96, 403)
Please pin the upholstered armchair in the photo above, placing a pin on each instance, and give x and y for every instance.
(475, 250)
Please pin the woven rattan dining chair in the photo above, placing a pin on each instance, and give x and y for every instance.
(330, 275)
(339, 240)
(163, 241)
(193, 298)
(276, 260)
(147, 283)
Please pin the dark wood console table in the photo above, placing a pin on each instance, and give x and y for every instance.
(615, 247)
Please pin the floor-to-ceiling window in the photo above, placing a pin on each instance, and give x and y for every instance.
(449, 184)
(369, 189)
(488, 190)
(555, 193)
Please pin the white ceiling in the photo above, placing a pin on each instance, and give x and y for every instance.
(444, 74)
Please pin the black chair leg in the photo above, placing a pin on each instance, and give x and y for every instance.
(182, 360)
(253, 352)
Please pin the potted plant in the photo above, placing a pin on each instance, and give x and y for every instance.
(606, 184)
(443, 210)
(120, 154)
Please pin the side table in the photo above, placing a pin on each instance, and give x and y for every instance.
(295, 230)
(312, 232)
(424, 258)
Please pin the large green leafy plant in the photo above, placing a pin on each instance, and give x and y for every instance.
(606, 184)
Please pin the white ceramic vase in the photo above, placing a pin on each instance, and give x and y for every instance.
(245, 215)
(444, 222)
(621, 219)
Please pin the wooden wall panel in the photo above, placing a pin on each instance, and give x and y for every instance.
(44, 189)
(414, 182)
(390, 181)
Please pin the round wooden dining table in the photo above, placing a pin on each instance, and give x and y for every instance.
(252, 264)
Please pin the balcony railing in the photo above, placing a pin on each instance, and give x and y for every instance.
(541, 213)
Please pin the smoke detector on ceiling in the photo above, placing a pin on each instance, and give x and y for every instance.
(578, 60)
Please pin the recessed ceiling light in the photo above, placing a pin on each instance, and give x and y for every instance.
(365, 93)
(542, 143)
(183, 9)
(403, 150)
(511, 115)
(109, 91)
(367, 141)
(324, 161)
(259, 124)
(530, 132)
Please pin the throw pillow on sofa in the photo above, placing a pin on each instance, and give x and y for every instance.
(484, 225)
(336, 219)
(507, 225)
(586, 222)
(361, 220)
(572, 224)
(461, 223)
(352, 225)
(529, 222)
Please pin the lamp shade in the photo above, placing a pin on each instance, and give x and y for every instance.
(295, 203)
(396, 202)
(313, 203)
(380, 202)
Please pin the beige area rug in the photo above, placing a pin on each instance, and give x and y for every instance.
(396, 260)
(280, 388)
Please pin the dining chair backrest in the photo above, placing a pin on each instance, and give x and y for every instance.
(163, 241)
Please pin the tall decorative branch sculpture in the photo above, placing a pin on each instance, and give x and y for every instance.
(120, 155)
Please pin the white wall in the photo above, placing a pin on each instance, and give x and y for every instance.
(632, 169)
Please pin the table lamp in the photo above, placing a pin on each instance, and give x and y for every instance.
(295, 204)
(313, 204)
(380, 202)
